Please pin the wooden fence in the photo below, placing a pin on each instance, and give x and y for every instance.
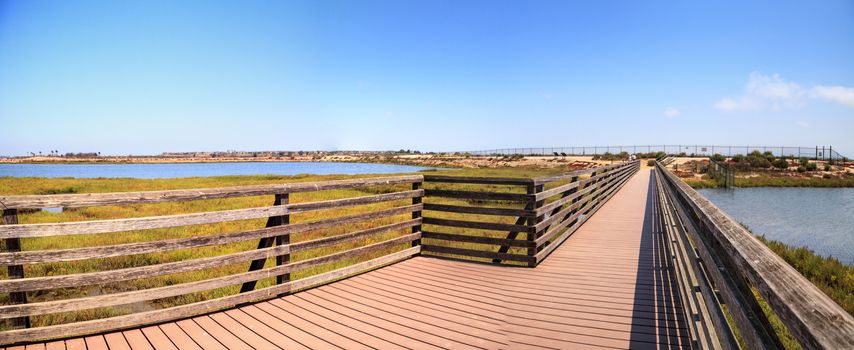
(396, 208)
(726, 264)
(515, 220)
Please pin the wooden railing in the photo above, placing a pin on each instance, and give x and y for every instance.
(728, 266)
(514, 220)
(379, 228)
(329, 230)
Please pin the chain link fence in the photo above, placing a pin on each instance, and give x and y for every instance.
(817, 152)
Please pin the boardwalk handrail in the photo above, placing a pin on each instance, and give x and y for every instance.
(552, 208)
(738, 263)
(357, 250)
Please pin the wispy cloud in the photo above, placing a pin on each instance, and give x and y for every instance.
(671, 112)
(839, 94)
(762, 91)
(771, 91)
(802, 124)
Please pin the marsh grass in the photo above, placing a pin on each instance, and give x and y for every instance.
(9, 185)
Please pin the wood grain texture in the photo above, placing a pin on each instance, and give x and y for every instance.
(33, 257)
(814, 319)
(154, 222)
(122, 198)
(152, 317)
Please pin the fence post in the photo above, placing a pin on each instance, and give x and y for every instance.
(532, 234)
(257, 264)
(10, 217)
(283, 199)
(416, 214)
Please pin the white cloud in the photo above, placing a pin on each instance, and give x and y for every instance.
(839, 94)
(802, 124)
(772, 87)
(671, 112)
(762, 91)
(743, 103)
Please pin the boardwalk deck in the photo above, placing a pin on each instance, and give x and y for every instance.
(605, 287)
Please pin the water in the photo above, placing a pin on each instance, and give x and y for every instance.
(152, 171)
(819, 218)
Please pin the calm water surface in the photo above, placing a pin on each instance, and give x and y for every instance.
(152, 171)
(819, 218)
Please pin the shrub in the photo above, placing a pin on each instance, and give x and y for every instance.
(650, 162)
(804, 161)
(718, 157)
(812, 166)
(826, 176)
(801, 169)
(781, 163)
(827, 167)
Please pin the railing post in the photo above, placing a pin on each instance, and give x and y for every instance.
(416, 214)
(257, 264)
(533, 189)
(283, 199)
(10, 217)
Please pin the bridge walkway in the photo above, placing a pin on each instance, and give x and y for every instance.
(604, 288)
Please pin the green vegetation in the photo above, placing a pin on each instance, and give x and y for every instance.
(773, 179)
(829, 274)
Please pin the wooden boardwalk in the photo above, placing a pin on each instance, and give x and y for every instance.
(603, 288)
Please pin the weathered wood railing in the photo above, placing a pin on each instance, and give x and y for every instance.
(522, 220)
(736, 264)
(378, 229)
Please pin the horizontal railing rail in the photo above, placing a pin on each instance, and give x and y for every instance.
(740, 266)
(514, 219)
(352, 235)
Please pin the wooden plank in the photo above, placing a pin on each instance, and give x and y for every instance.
(330, 328)
(123, 298)
(812, 317)
(156, 316)
(179, 337)
(39, 283)
(116, 341)
(553, 245)
(158, 339)
(14, 272)
(96, 342)
(36, 257)
(475, 253)
(154, 222)
(500, 196)
(478, 180)
(476, 239)
(220, 333)
(136, 340)
(121, 198)
(479, 210)
(282, 334)
(75, 344)
(253, 332)
(199, 335)
(477, 224)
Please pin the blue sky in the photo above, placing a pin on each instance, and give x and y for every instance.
(145, 77)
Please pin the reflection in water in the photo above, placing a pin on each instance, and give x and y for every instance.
(819, 218)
